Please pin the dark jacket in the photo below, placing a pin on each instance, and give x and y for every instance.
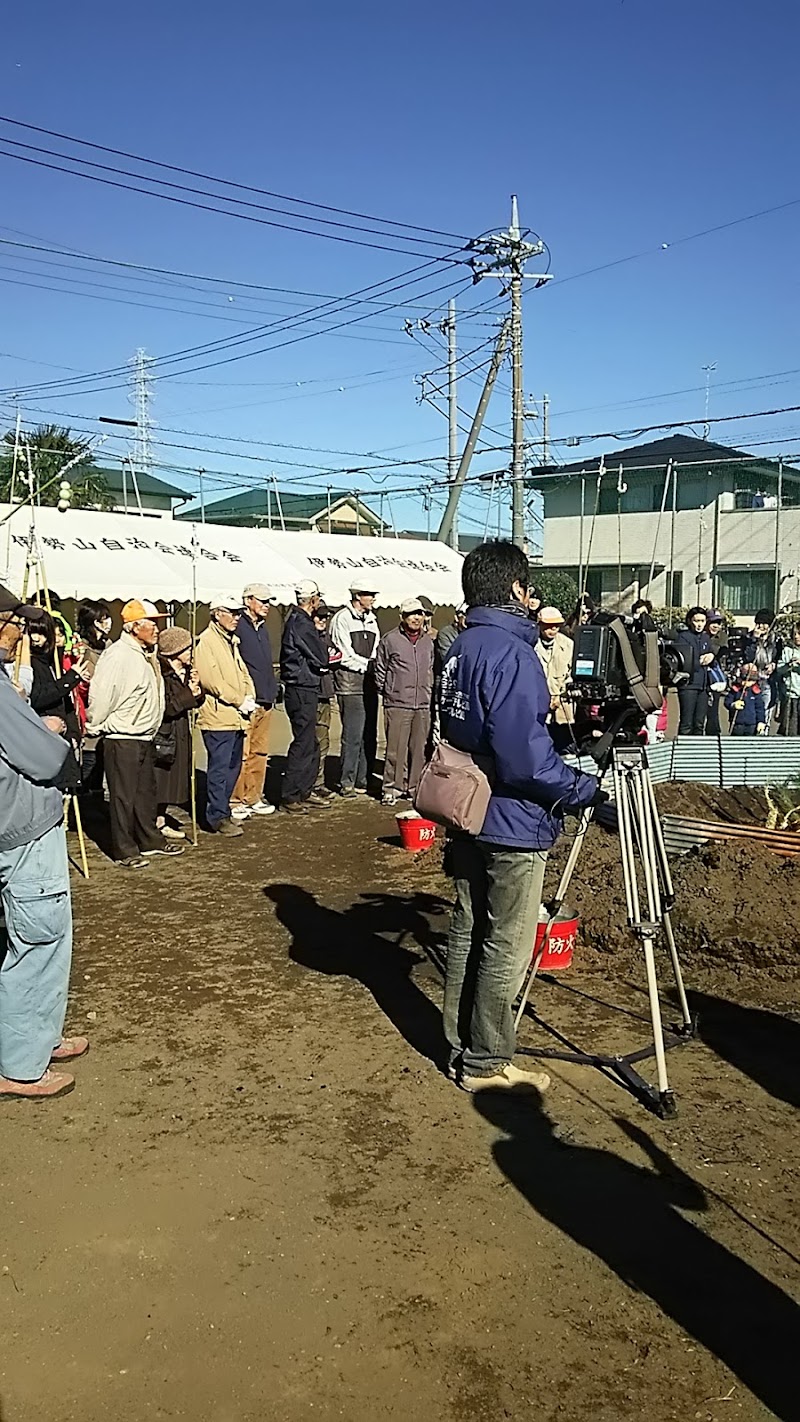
(763, 652)
(445, 638)
(754, 712)
(173, 781)
(304, 656)
(495, 703)
(256, 652)
(695, 645)
(404, 671)
(50, 695)
(327, 689)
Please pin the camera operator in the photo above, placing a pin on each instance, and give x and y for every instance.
(494, 705)
(695, 644)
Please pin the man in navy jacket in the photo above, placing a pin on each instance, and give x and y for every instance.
(494, 704)
(256, 653)
(304, 661)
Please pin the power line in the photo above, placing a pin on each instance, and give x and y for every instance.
(191, 202)
(226, 182)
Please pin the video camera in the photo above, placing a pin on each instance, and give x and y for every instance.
(613, 657)
(619, 673)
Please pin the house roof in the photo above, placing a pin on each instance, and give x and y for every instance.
(684, 449)
(261, 504)
(148, 484)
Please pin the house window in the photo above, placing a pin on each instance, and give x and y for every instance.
(748, 590)
(638, 497)
(674, 589)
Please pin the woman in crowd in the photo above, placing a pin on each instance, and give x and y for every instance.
(93, 636)
(717, 683)
(173, 745)
(642, 614)
(764, 649)
(583, 613)
(693, 694)
(51, 691)
(788, 679)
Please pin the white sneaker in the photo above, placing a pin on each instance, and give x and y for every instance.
(262, 808)
(509, 1075)
(240, 812)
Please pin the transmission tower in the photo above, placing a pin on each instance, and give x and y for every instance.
(142, 397)
(508, 252)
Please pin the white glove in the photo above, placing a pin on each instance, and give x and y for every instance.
(248, 706)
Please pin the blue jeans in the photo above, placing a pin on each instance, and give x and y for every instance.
(492, 933)
(224, 750)
(34, 972)
(353, 712)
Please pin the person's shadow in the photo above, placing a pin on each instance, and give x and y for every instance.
(764, 1045)
(627, 1215)
(347, 944)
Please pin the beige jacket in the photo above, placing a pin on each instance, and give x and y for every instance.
(556, 658)
(126, 692)
(224, 679)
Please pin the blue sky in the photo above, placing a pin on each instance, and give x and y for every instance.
(622, 127)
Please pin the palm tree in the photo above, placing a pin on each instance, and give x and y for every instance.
(52, 447)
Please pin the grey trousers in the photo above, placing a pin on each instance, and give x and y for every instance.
(406, 738)
(492, 933)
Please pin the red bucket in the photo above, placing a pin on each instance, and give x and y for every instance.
(560, 944)
(415, 832)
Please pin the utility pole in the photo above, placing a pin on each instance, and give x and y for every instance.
(142, 396)
(546, 430)
(448, 523)
(709, 370)
(509, 251)
(452, 411)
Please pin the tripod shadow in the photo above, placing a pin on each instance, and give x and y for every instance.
(408, 916)
(627, 1215)
(763, 1045)
(348, 944)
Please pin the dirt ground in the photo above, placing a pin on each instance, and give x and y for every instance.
(265, 1201)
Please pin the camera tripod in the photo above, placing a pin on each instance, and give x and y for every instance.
(644, 857)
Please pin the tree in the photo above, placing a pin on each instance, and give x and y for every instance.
(557, 588)
(52, 447)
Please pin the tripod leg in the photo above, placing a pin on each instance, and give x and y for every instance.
(676, 968)
(658, 1028)
(560, 895)
(81, 838)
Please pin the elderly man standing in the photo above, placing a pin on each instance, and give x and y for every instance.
(404, 677)
(256, 652)
(304, 662)
(229, 703)
(355, 632)
(34, 888)
(555, 652)
(126, 708)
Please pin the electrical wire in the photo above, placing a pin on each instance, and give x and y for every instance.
(226, 182)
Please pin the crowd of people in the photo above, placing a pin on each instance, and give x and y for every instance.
(87, 714)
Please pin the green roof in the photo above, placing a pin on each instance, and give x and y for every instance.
(148, 484)
(261, 505)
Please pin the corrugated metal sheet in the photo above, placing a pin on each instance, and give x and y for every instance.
(724, 761)
(681, 835)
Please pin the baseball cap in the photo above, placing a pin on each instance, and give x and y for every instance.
(140, 611)
(10, 603)
(228, 604)
(713, 614)
(307, 588)
(362, 587)
(411, 604)
(550, 615)
(260, 590)
(322, 610)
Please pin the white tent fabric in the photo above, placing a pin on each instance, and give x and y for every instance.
(120, 556)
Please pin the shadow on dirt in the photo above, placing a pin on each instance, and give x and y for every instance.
(351, 943)
(763, 1045)
(627, 1215)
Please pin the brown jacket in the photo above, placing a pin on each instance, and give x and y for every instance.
(224, 679)
(556, 658)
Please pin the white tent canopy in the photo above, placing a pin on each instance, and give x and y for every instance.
(107, 555)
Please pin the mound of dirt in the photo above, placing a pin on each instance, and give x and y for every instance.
(736, 905)
(740, 805)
